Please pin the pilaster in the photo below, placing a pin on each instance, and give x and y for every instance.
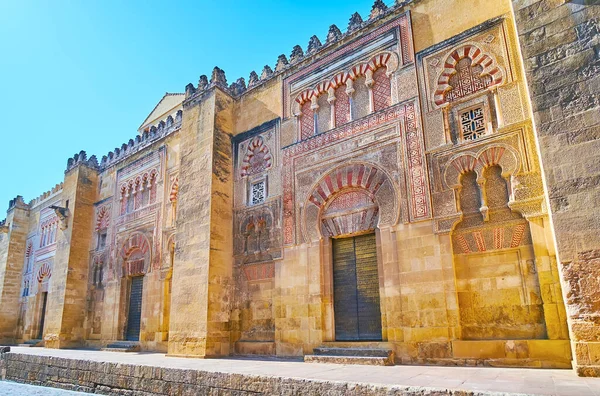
(202, 269)
(68, 292)
(13, 235)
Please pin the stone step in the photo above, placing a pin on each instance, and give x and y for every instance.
(122, 346)
(364, 360)
(356, 352)
(32, 343)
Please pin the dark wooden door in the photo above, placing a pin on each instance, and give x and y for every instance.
(134, 315)
(356, 289)
(43, 317)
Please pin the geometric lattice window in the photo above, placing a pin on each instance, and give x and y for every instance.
(472, 123)
(258, 192)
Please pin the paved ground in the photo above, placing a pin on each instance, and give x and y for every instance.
(8, 388)
(512, 380)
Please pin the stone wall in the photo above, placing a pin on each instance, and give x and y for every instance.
(66, 309)
(560, 43)
(126, 379)
(200, 305)
(12, 255)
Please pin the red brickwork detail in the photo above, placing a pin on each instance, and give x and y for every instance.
(307, 121)
(255, 272)
(462, 242)
(517, 236)
(498, 238)
(342, 106)
(405, 41)
(382, 90)
(478, 237)
(491, 156)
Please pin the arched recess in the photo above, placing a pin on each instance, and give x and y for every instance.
(461, 164)
(350, 199)
(467, 70)
(493, 252)
(498, 154)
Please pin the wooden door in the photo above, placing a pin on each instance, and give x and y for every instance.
(356, 289)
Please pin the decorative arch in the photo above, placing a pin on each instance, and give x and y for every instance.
(478, 57)
(362, 186)
(502, 155)
(103, 218)
(389, 60)
(362, 69)
(257, 159)
(44, 273)
(305, 96)
(135, 255)
(459, 165)
(174, 194)
(339, 79)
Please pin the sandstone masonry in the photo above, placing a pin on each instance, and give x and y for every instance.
(422, 185)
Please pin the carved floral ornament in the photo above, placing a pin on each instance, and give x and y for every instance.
(481, 71)
(389, 60)
(351, 198)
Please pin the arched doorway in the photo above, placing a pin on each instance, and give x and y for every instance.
(350, 218)
(345, 212)
(135, 253)
(135, 266)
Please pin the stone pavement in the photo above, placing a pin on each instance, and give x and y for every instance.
(8, 388)
(478, 380)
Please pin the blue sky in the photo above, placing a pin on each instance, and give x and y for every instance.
(83, 75)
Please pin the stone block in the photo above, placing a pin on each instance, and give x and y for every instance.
(479, 349)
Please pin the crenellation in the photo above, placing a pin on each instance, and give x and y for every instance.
(253, 79)
(355, 22)
(218, 78)
(333, 34)
(379, 8)
(313, 45)
(296, 55)
(266, 73)
(48, 194)
(282, 63)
